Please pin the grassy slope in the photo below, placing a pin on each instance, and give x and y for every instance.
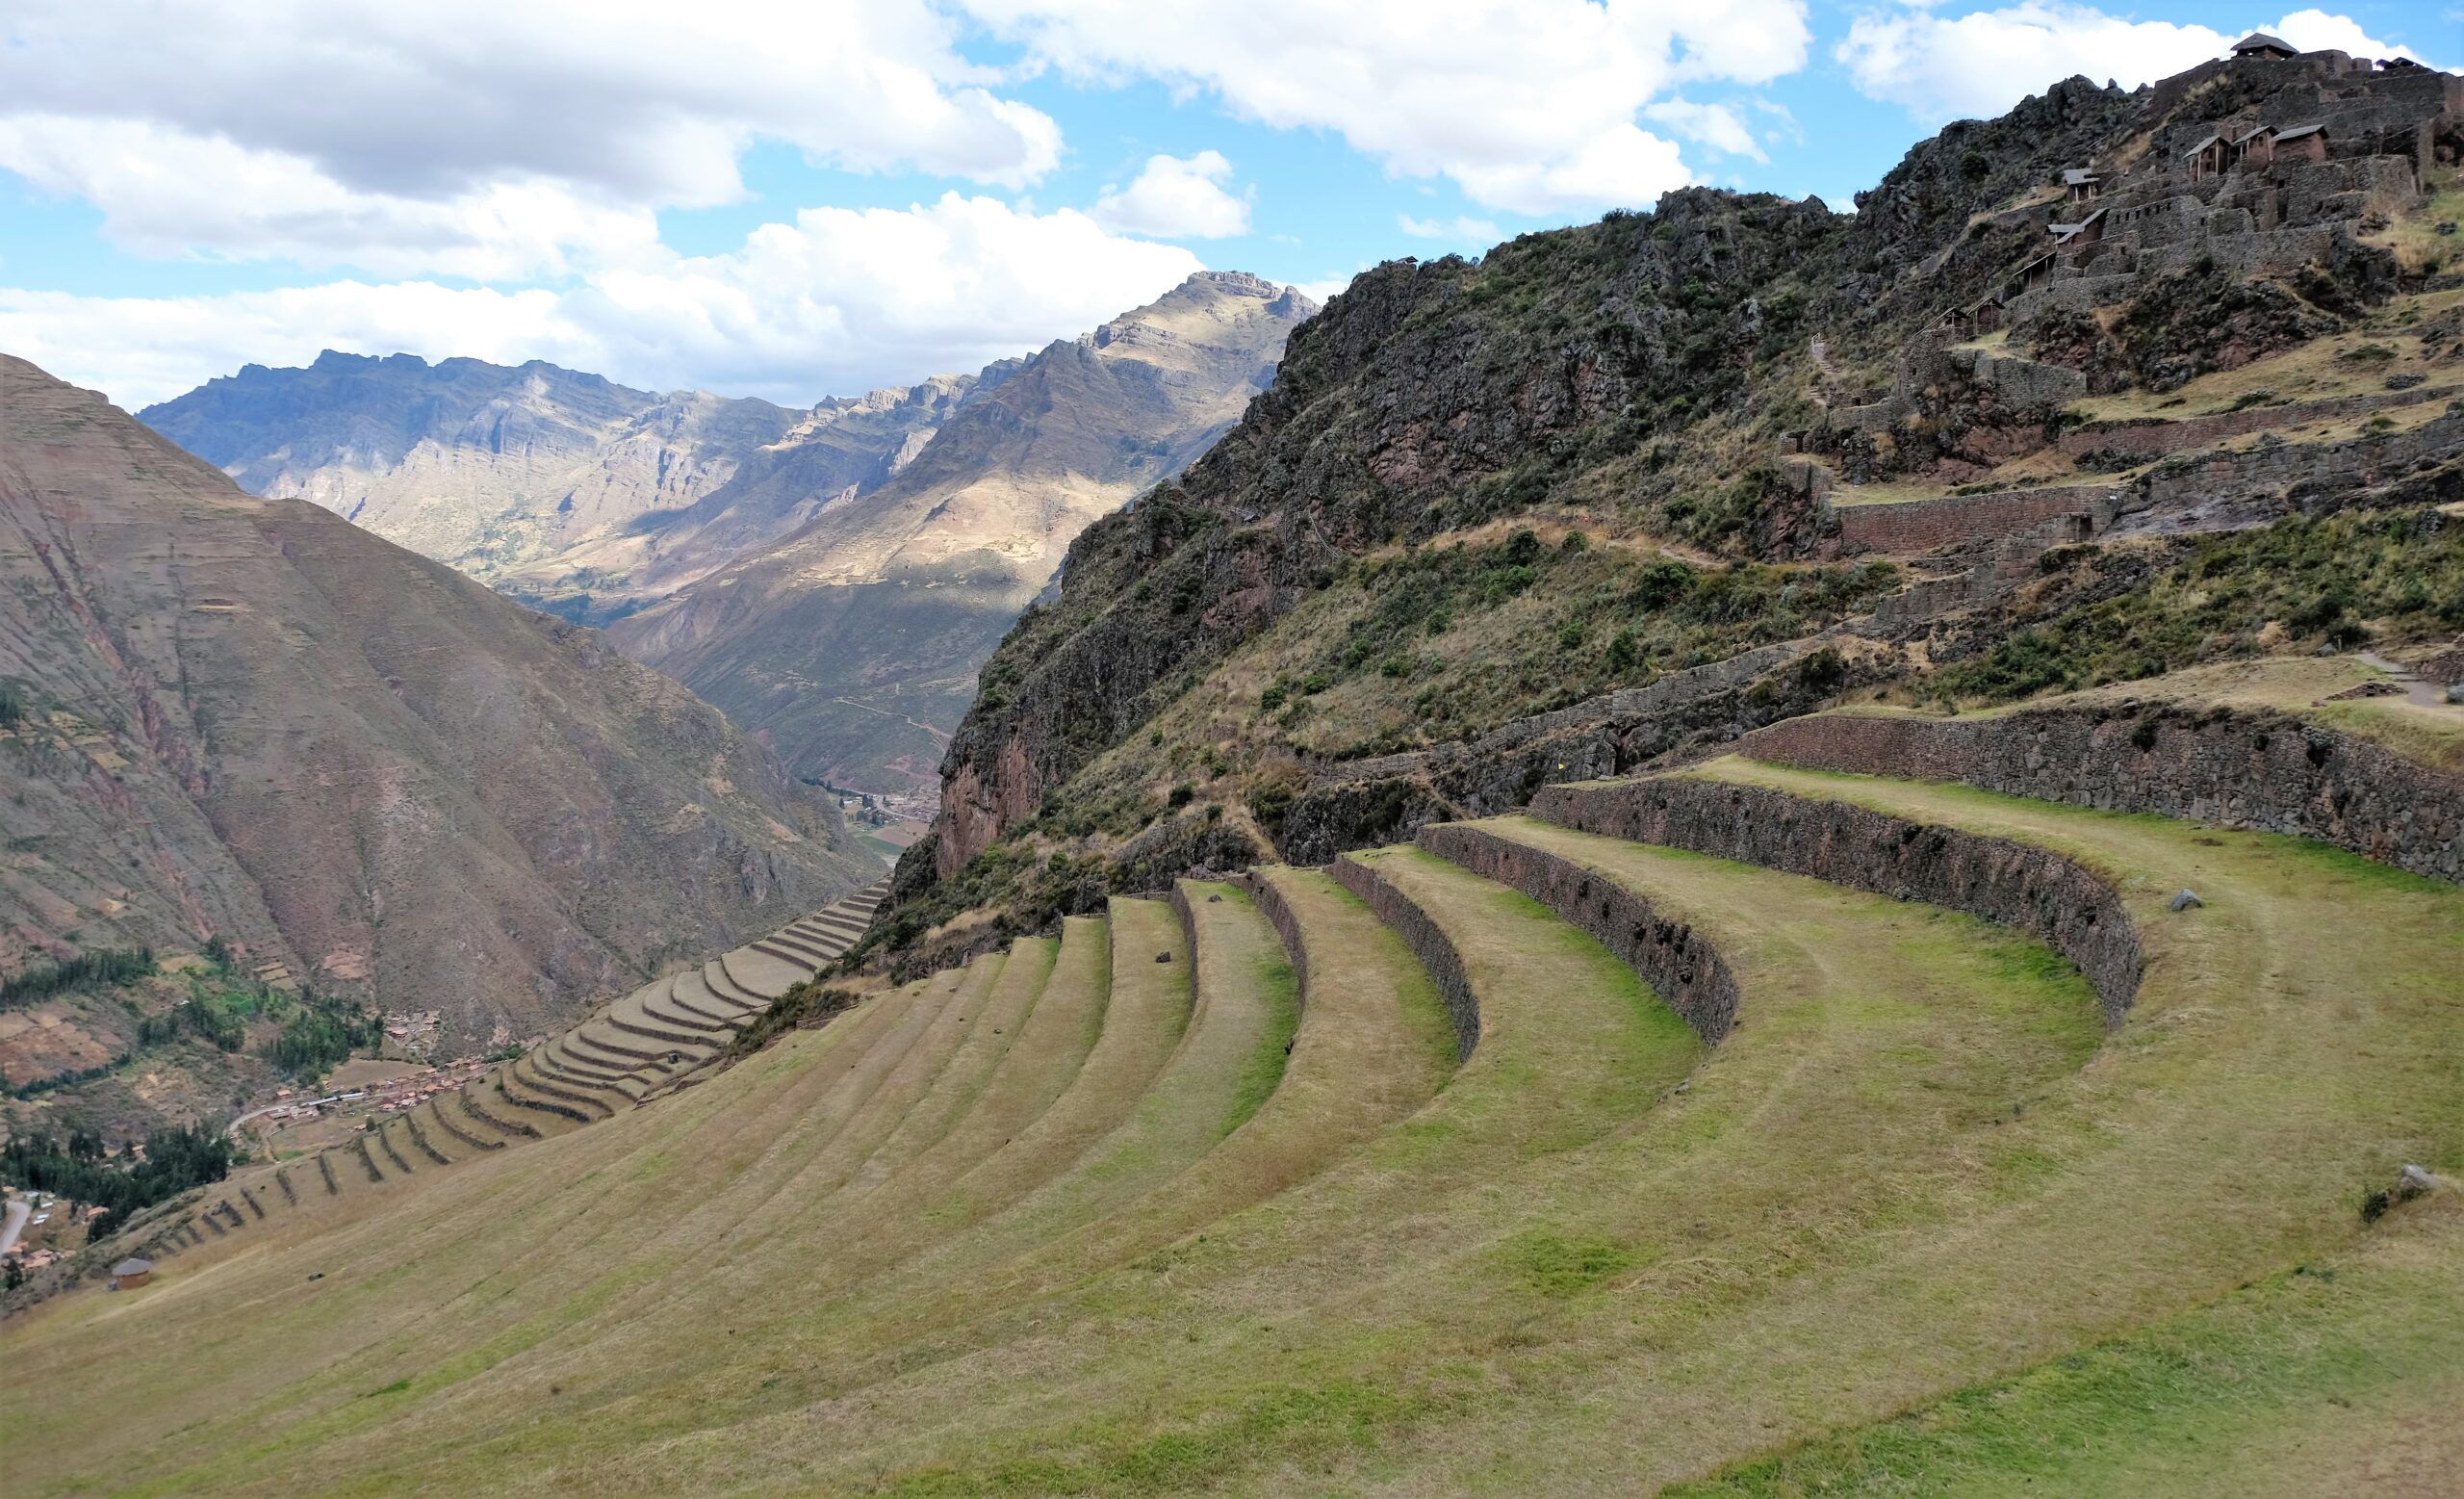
(1918, 1165)
(2334, 1378)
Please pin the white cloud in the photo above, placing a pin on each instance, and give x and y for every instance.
(475, 133)
(839, 300)
(2316, 31)
(1715, 125)
(1460, 231)
(166, 193)
(1176, 197)
(1529, 107)
(1941, 68)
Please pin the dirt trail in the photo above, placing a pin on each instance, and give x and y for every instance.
(2418, 689)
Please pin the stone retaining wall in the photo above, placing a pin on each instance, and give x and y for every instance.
(1914, 526)
(1678, 963)
(2156, 438)
(1180, 903)
(1404, 918)
(1278, 911)
(1613, 734)
(2030, 890)
(2240, 769)
(2227, 489)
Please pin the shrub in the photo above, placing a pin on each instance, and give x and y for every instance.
(807, 1005)
(1623, 651)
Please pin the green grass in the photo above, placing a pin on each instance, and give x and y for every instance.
(2199, 1402)
(1917, 1214)
(1278, 991)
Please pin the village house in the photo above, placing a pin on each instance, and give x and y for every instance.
(130, 1273)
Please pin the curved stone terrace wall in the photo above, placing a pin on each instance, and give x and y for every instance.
(2032, 890)
(2263, 771)
(1278, 911)
(1406, 920)
(1677, 963)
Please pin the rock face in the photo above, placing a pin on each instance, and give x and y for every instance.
(573, 493)
(853, 646)
(1425, 397)
(246, 718)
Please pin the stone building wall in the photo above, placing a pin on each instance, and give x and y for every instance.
(1677, 963)
(2030, 890)
(2240, 769)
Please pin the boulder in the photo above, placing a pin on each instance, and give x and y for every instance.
(2188, 899)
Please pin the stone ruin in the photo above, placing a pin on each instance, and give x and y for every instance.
(2327, 145)
(2310, 150)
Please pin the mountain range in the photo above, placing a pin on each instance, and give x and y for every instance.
(577, 495)
(833, 577)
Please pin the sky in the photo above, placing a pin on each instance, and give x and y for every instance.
(796, 199)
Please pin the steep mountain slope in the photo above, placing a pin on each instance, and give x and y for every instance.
(248, 718)
(1617, 492)
(566, 490)
(852, 647)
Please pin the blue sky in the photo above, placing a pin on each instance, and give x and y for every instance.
(802, 200)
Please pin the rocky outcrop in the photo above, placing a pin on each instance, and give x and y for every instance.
(2032, 890)
(2237, 768)
(2222, 491)
(1410, 405)
(1677, 963)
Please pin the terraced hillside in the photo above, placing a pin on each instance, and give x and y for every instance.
(648, 1042)
(1753, 1128)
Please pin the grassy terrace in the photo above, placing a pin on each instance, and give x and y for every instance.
(1067, 1221)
